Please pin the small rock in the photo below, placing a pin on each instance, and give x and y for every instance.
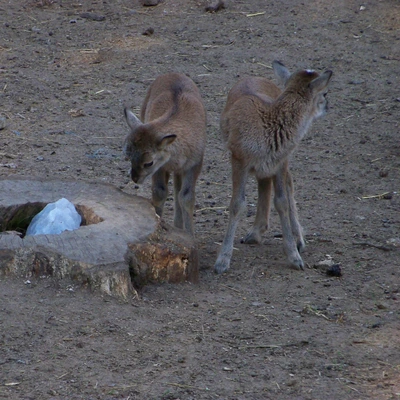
(215, 7)
(334, 270)
(387, 196)
(148, 31)
(394, 242)
(383, 173)
(382, 306)
(325, 263)
(356, 82)
(76, 112)
(92, 16)
(8, 165)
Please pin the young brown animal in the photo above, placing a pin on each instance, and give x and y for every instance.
(171, 139)
(261, 127)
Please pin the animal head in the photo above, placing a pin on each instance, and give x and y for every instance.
(145, 148)
(308, 84)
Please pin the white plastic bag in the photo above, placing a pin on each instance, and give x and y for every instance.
(54, 219)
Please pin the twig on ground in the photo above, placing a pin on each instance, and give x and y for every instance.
(185, 386)
(220, 244)
(315, 312)
(275, 346)
(377, 246)
(376, 196)
(256, 14)
(264, 65)
(210, 208)
(229, 287)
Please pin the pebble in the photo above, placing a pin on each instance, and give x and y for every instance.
(356, 82)
(92, 16)
(218, 6)
(148, 31)
(334, 270)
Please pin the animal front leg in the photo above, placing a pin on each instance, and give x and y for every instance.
(237, 204)
(282, 206)
(263, 209)
(178, 217)
(159, 189)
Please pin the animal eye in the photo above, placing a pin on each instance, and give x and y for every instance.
(148, 165)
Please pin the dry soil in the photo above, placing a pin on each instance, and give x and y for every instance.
(262, 330)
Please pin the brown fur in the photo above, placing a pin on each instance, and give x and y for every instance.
(169, 139)
(262, 126)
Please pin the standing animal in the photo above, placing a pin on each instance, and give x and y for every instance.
(262, 126)
(169, 138)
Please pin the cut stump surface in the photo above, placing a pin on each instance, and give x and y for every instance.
(120, 244)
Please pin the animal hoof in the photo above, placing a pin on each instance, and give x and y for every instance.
(221, 266)
(298, 263)
(251, 238)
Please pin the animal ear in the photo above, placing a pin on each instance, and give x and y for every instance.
(165, 141)
(132, 120)
(281, 72)
(320, 83)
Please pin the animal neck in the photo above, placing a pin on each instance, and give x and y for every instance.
(292, 111)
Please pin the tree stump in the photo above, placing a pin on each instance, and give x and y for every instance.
(121, 243)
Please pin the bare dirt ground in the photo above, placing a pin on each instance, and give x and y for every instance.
(262, 330)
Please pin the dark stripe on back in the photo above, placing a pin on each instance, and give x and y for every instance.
(177, 90)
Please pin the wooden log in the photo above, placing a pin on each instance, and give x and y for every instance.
(120, 244)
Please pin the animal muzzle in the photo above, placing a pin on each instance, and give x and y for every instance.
(134, 175)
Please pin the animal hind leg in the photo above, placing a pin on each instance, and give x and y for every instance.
(237, 204)
(294, 219)
(261, 221)
(186, 198)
